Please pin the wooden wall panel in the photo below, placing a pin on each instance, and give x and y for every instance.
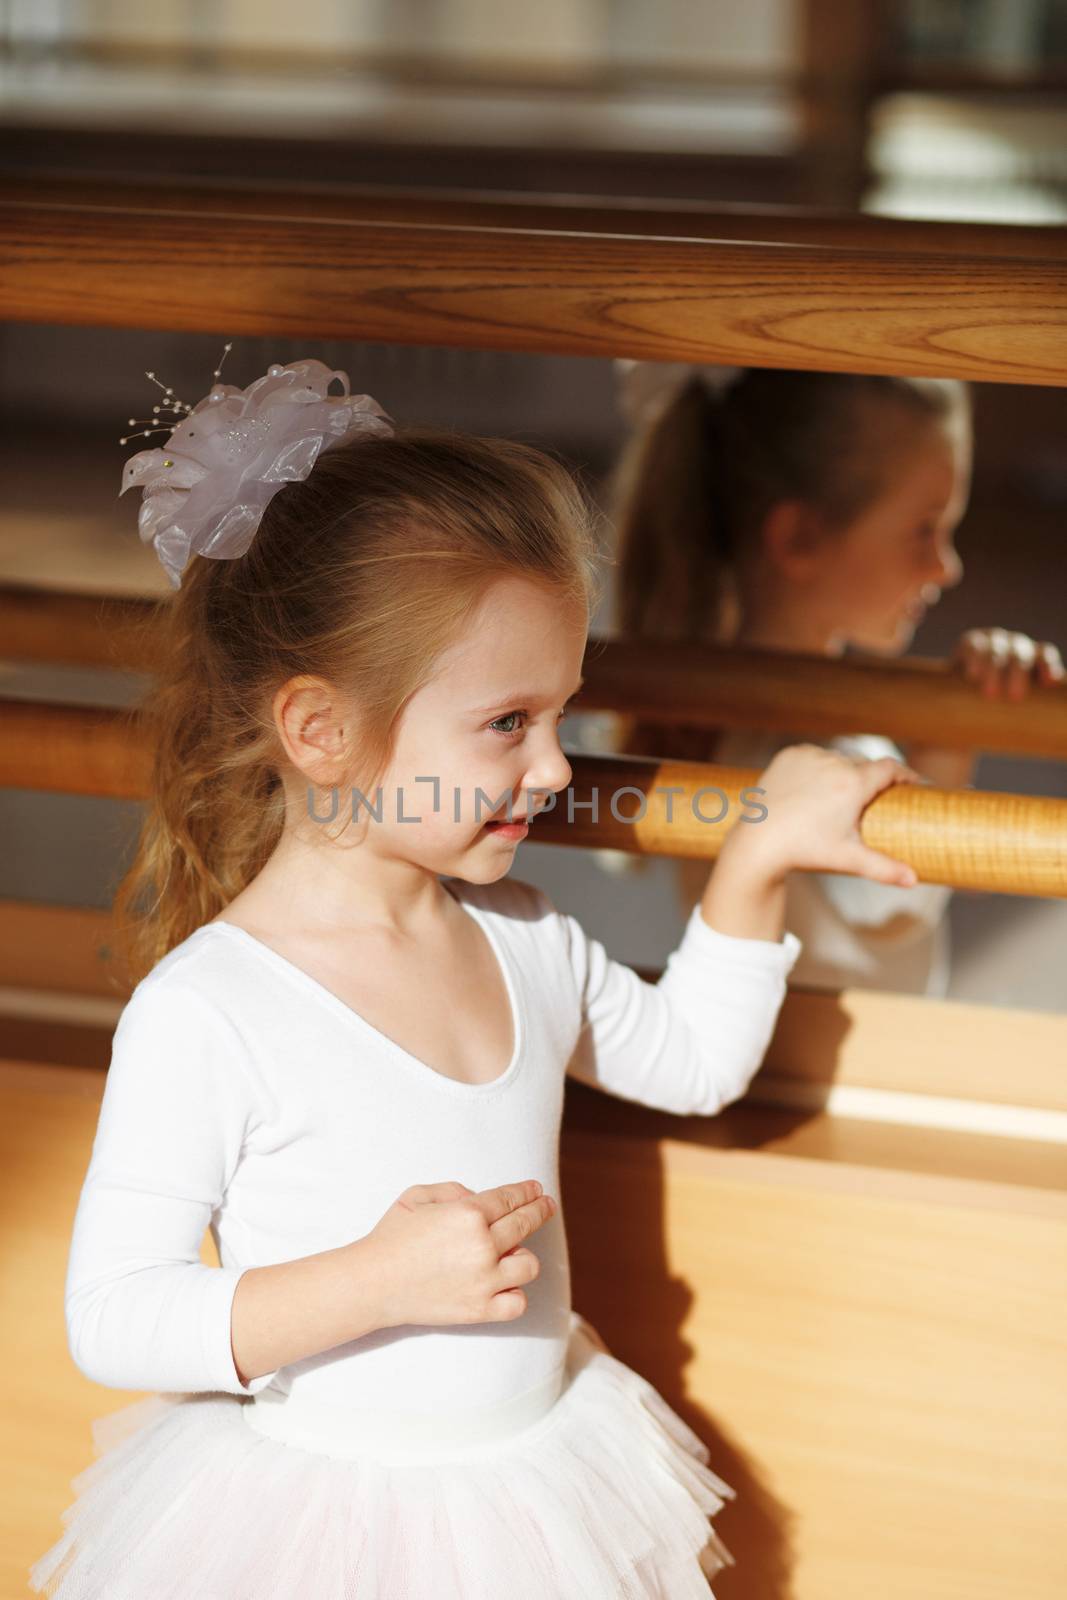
(876, 1359)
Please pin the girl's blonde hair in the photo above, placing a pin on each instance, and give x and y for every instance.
(361, 574)
(696, 482)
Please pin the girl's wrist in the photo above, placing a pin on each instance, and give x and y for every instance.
(748, 858)
(745, 894)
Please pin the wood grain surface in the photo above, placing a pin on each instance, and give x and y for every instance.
(564, 213)
(771, 304)
(701, 685)
(60, 965)
(967, 839)
(876, 1358)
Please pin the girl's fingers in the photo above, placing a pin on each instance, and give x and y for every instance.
(1019, 665)
(518, 1225)
(997, 661)
(972, 653)
(1050, 668)
(517, 1267)
(858, 857)
(506, 1198)
(882, 774)
(868, 863)
(1000, 661)
(1018, 679)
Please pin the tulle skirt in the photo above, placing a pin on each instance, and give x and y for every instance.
(609, 1496)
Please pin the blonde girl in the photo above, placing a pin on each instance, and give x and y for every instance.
(347, 1051)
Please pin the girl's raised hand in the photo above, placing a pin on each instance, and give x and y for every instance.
(1000, 662)
(815, 799)
(444, 1254)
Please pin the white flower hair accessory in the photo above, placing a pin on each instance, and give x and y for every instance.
(205, 491)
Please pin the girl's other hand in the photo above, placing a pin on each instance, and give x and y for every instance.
(1000, 663)
(815, 799)
(444, 1254)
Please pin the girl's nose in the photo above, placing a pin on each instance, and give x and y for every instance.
(949, 569)
(551, 772)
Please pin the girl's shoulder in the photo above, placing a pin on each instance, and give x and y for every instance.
(200, 980)
(193, 1034)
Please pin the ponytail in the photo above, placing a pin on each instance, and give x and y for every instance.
(674, 543)
(217, 805)
(675, 547)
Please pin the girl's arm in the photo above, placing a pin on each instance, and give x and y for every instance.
(692, 1042)
(143, 1311)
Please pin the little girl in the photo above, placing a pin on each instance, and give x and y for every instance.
(806, 512)
(348, 1050)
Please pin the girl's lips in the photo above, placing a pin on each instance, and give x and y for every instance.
(509, 830)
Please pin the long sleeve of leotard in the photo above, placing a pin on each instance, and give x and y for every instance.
(143, 1311)
(692, 1042)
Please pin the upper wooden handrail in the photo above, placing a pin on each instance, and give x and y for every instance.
(920, 699)
(968, 839)
(470, 208)
(701, 685)
(740, 301)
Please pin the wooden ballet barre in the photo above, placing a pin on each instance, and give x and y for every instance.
(701, 685)
(72, 749)
(743, 302)
(967, 839)
(920, 699)
(556, 213)
(58, 628)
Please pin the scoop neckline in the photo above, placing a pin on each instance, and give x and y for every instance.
(356, 1021)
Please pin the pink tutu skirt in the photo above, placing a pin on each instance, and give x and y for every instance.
(608, 1496)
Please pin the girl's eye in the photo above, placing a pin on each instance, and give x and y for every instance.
(506, 732)
(509, 733)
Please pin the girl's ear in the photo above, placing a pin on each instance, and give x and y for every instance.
(793, 538)
(316, 732)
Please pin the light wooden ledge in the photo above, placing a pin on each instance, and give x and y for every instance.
(60, 965)
(743, 302)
